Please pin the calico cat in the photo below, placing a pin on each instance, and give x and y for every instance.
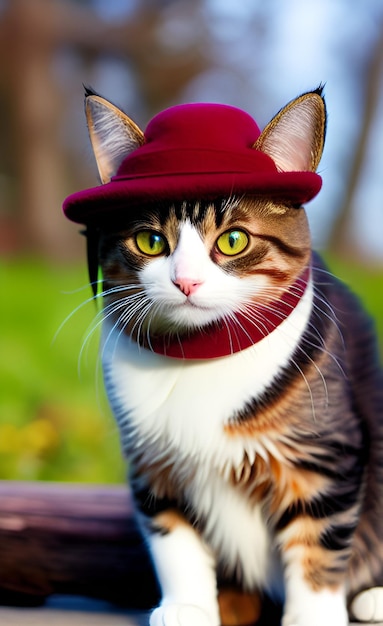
(244, 377)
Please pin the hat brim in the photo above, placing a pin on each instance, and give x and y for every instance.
(109, 202)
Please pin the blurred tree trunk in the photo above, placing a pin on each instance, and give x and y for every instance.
(31, 33)
(39, 163)
(343, 240)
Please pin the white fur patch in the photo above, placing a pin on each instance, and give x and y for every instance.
(183, 263)
(305, 607)
(237, 533)
(186, 571)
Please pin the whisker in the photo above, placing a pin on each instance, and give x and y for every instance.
(331, 315)
(108, 310)
(90, 332)
(233, 318)
(155, 311)
(93, 298)
(249, 318)
(256, 318)
(293, 361)
(82, 288)
(140, 311)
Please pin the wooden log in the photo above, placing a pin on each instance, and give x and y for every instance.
(83, 540)
(71, 539)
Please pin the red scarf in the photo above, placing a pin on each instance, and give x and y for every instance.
(232, 335)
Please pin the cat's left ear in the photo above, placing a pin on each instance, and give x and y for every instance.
(294, 138)
(112, 133)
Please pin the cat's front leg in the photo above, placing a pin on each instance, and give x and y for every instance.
(310, 604)
(186, 573)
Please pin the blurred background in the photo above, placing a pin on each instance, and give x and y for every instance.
(145, 55)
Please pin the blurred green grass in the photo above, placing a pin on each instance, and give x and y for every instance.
(367, 283)
(54, 420)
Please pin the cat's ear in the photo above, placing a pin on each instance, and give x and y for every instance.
(295, 137)
(113, 134)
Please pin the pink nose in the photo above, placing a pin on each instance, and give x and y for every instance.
(187, 285)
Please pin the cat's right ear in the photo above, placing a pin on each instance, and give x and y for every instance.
(113, 134)
(295, 137)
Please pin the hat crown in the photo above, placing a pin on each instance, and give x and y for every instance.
(216, 126)
(197, 138)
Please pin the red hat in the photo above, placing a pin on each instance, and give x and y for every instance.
(191, 152)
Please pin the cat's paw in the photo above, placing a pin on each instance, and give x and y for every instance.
(367, 606)
(180, 615)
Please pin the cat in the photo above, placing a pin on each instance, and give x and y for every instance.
(244, 377)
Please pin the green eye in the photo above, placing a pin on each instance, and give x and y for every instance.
(150, 242)
(232, 242)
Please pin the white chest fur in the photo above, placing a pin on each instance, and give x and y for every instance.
(184, 405)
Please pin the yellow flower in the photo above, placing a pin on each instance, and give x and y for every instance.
(40, 436)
